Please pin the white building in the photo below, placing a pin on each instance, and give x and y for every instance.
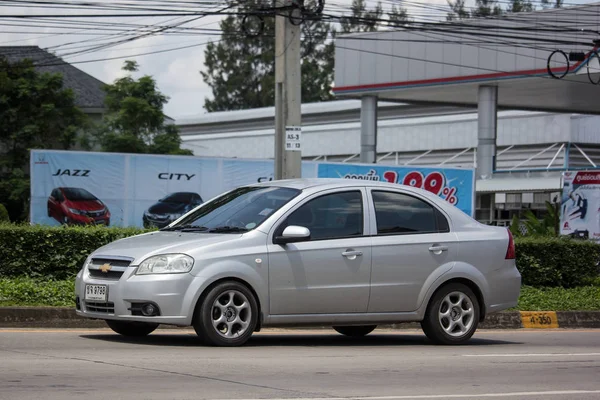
(533, 148)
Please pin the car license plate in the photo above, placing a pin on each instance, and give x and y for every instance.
(96, 292)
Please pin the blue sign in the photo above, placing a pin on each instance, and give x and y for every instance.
(455, 185)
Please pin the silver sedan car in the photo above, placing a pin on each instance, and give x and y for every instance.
(350, 254)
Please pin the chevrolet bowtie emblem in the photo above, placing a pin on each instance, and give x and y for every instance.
(105, 268)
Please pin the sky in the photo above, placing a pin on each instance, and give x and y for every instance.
(177, 73)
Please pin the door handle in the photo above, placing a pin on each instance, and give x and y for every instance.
(352, 254)
(438, 249)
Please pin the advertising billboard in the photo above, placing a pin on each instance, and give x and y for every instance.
(580, 205)
(142, 190)
(455, 185)
(71, 187)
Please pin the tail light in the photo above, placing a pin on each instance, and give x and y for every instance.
(510, 252)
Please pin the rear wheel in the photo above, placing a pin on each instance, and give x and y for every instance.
(355, 331)
(452, 315)
(227, 316)
(131, 328)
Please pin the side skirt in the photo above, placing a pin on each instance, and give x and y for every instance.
(337, 319)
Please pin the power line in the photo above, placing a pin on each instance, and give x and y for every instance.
(49, 64)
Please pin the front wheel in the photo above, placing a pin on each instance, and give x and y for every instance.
(452, 315)
(131, 328)
(227, 316)
(355, 331)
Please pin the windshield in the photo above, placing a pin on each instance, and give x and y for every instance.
(77, 194)
(239, 210)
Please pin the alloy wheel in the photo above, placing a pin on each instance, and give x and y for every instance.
(231, 314)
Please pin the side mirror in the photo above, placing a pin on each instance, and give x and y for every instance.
(293, 234)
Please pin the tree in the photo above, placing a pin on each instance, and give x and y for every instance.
(241, 70)
(550, 3)
(36, 111)
(458, 10)
(135, 122)
(490, 8)
(520, 6)
(362, 19)
(486, 8)
(397, 16)
(549, 225)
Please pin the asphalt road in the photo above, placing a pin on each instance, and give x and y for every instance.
(386, 365)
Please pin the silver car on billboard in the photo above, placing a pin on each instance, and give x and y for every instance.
(349, 254)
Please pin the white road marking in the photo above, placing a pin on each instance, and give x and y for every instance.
(533, 355)
(452, 396)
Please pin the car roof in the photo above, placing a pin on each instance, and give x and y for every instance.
(325, 183)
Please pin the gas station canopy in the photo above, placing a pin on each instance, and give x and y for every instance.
(542, 60)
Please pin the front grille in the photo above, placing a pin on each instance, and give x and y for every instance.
(97, 262)
(110, 275)
(94, 213)
(104, 308)
(118, 267)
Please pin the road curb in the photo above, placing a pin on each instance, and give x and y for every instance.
(65, 317)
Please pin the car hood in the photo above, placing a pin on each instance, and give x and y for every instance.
(85, 205)
(145, 245)
(166, 208)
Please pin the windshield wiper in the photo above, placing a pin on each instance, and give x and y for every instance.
(186, 228)
(228, 229)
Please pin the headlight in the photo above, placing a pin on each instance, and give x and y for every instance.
(166, 264)
(79, 212)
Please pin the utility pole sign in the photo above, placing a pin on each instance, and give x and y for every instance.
(288, 101)
(293, 138)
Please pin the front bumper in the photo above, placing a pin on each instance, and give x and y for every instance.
(172, 294)
(85, 220)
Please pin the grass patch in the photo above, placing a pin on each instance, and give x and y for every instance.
(559, 299)
(37, 292)
(60, 293)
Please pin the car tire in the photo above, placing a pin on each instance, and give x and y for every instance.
(131, 328)
(355, 331)
(451, 303)
(227, 316)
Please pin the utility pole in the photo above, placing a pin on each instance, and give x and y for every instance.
(288, 94)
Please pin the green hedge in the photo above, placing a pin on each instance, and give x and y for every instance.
(557, 262)
(53, 252)
(59, 253)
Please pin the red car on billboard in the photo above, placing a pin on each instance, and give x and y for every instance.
(69, 205)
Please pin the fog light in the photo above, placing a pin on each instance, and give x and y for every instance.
(149, 309)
